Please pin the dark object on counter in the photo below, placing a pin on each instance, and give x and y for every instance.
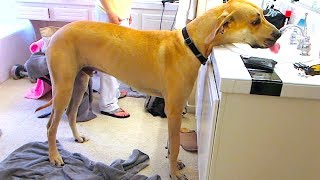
(265, 83)
(265, 80)
(309, 70)
(263, 64)
(275, 17)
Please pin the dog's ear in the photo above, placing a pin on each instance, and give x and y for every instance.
(221, 25)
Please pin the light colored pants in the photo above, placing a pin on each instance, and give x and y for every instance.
(109, 85)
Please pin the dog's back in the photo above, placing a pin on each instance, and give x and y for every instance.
(115, 49)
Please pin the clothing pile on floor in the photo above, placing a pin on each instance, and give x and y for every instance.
(131, 92)
(31, 161)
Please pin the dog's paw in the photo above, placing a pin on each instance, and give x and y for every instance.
(179, 176)
(81, 139)
(180, 165)
(56, 160)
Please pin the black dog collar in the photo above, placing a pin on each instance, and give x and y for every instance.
(193, 47)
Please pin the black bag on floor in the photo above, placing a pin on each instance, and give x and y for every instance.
(155, 106)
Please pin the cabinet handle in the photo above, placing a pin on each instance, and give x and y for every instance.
(49, 13)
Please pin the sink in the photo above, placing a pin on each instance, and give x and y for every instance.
(286, 57)
(287, 53)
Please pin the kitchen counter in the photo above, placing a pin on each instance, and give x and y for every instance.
(246, 136)
(234, 77)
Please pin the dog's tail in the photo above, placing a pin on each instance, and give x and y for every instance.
(49, 103)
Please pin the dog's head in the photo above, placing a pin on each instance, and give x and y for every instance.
(241, 21)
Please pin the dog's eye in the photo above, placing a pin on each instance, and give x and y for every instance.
(256, 22)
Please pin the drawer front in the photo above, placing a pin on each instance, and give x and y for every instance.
(67, 14)
(136, 21)
(33, 13)
(152, 22)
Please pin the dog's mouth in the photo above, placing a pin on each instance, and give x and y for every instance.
(255, 45)
(269, 43)
(266, 44)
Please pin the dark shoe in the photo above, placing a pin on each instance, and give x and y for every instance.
(118, 113)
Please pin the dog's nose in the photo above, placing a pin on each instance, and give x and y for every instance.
(276, 34)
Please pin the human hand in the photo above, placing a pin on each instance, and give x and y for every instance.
(113, 18)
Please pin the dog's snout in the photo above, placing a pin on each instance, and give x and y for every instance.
(276, 34)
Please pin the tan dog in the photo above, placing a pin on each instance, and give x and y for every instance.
(155, 62)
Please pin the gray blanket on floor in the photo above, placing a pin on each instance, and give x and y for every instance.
(131, 92)
(31, 161)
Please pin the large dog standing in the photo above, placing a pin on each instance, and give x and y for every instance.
(159, 63)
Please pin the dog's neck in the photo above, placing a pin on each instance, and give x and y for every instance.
(205, 27)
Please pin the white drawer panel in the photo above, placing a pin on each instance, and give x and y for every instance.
(67, 14)
(152, 22)
(136, 21)
(33, 13)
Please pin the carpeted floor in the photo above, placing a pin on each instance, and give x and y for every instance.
(110, 138)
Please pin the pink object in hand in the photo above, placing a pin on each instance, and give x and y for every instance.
(275, 48)
(36, 46)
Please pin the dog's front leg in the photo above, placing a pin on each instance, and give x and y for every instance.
(54, 156)
(174, 114)
(59, 104)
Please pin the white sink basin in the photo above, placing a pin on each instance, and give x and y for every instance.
(286, 57)
(287, 53)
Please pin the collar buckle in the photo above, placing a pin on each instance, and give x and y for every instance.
(188, 41)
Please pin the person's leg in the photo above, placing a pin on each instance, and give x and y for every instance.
(109, 93)
(109, 85)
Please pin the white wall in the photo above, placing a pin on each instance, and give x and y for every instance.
(313, 24)
(15, 38)
(298, 12)
(7, 10)
(204, 5)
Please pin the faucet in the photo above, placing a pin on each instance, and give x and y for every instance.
(304, 43)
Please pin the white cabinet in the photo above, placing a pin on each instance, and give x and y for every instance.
(155, 21)
(145, 16)
(248, 137)
(70, 14)
(206, 129)
(63, 11)
(149, 16)
(35, 13)
(136, 20)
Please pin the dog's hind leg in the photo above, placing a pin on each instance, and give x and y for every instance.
(174, 107)
(80, 87)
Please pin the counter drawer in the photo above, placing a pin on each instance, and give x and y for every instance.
(34, 13)
(67, 14)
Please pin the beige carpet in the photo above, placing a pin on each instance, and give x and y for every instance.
(110, 138)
